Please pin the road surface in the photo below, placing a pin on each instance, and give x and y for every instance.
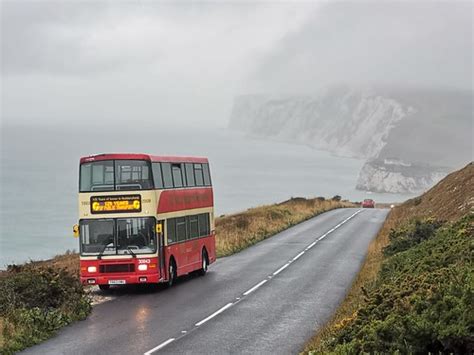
(267, 299)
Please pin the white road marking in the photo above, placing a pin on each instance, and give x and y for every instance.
(281, 269)
(311, 245)
(214, 314)
(162, 345)
(255, 287)
(297, 256)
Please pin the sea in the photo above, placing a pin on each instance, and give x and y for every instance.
(39, 175)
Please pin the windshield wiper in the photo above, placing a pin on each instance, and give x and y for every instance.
(131, 252)
(102, 251)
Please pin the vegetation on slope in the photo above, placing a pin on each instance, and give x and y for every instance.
(35, 302)
(415, 291)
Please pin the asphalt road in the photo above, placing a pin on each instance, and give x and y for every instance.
(267, 299)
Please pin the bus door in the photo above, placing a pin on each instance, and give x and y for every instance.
(160, 236)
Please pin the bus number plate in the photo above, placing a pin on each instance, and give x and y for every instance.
(117, 282)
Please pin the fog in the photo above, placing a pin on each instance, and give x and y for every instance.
(184, 62)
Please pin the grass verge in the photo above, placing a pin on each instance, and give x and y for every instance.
(239, 231)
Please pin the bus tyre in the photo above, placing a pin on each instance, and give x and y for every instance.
(171, 273)
(104, 287)
(204, 263)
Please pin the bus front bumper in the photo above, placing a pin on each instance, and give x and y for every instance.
(120, 279)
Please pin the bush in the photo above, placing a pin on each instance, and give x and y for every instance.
(337, 198)
(423, 298)
(412, 234)
(36, 302)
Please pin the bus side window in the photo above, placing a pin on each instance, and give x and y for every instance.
(203, 224)
(157, 177)
(167, 177)
(177, 176)
(181, 228)
(198, 174)
(207, 175)
(190, 174)
(171, 230)
(193, 227)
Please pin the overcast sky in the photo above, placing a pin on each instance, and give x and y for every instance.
(181, 62)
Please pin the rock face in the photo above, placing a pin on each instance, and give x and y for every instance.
(345, 122)
(411, 139)
(393, 177)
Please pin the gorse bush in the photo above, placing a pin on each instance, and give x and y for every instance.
(411, 234)
(36, 302)
(423, 300)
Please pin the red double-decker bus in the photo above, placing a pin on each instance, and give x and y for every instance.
(144, 218)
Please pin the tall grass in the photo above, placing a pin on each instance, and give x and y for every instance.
(239, 231)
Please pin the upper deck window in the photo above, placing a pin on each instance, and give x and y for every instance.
(112, 175)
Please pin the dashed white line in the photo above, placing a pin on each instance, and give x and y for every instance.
(297, 256)
(214, 314)
(281, 269)
(162, 345)
(311, 245)
(255, 287)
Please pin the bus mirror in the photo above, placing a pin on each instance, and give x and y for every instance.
(75, 230)
(159, 229)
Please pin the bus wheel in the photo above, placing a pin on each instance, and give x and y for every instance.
(205, 262)
(171, 273)
(104, 287)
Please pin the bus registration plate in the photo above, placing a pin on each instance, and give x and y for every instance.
(117, 282)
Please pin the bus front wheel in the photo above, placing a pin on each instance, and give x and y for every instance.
(205, 263)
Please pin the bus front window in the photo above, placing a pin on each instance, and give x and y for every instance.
(115, 175)
(97, 237)
(136, 235)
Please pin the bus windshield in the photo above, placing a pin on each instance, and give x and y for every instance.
(113, 175)
(118, 236)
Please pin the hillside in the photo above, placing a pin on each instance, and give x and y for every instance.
(414, 292)
(409, 138)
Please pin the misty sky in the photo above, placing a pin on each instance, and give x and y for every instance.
(180, 62)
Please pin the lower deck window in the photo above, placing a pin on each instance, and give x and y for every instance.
(189, 227)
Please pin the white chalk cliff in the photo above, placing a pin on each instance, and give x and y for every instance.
(371, 125)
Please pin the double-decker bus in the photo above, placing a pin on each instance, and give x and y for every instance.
(144, 218)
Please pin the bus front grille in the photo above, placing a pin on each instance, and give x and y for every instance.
(111, 268)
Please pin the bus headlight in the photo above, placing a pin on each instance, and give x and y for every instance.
(91, 269)
(143, 267)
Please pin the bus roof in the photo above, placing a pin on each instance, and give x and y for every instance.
(135, 156)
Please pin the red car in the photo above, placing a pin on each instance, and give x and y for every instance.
(368, 203)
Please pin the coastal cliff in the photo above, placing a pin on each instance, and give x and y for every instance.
(410, 139)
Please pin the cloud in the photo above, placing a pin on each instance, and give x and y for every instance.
(403, 44)
(122, 61)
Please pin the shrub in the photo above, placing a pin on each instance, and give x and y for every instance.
(423, 299)
(412, 234)
(337, 198)
(35, 302)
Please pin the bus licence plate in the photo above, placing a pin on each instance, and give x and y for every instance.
(117, 282)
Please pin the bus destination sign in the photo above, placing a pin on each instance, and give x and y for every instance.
(116, 204)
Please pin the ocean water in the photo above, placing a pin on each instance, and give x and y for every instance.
(39, 176)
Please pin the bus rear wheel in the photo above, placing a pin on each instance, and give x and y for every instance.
(204, 263)
(104, 287)
(171, 273)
